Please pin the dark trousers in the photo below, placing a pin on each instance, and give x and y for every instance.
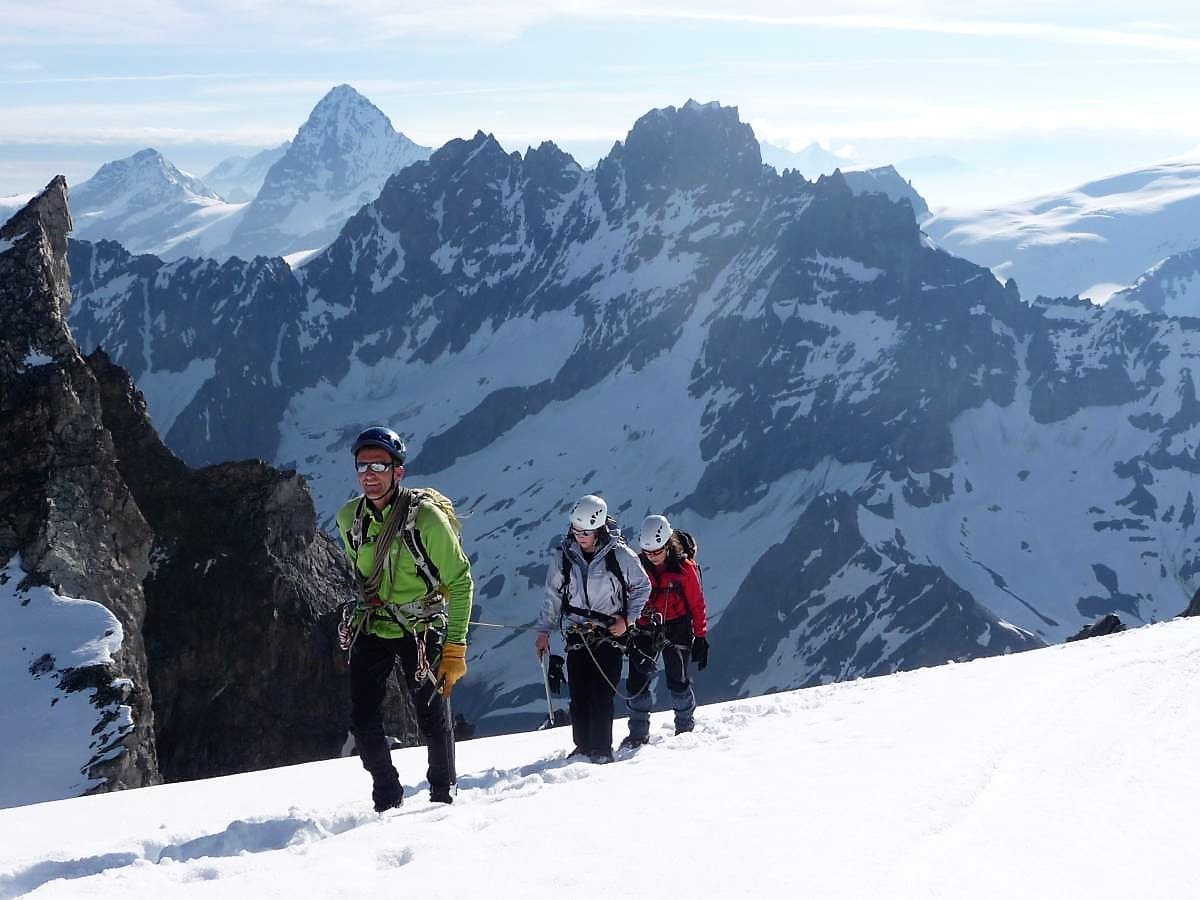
(371, 662)
(675, 644)
(591, 693)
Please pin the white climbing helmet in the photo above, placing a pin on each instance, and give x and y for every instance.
(589, 513)
(656, 531)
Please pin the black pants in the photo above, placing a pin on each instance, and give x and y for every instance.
(674, 644)
(371, 662)
(591, 694)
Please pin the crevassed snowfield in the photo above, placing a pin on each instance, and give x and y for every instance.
(1064, 772)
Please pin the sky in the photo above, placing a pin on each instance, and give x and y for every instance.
(1062, 772)
(979, 102)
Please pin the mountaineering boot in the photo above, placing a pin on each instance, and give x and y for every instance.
(387, 795)
(440, 795)
(601, 757)
(632, 742)
(684, 727)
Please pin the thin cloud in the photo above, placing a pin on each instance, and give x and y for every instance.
(102, 79)
(301, 24)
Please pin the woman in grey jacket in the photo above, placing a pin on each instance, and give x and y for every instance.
(594, 589)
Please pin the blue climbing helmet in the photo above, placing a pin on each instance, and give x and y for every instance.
(384, 439)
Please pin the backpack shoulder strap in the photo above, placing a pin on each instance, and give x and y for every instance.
(614, 566)
(358, 527)
(565, 590)
(412, 539)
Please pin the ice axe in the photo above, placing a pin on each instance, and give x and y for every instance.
(553, 718)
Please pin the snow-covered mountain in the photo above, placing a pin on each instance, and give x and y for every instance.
(338, 162)
(1092, 241)
(303, 191)
(886, 180)
(239, 178)
(889, 457)
(811, 161)
(814, 161)
(1172, 287)
(149, 206)
(996, 779)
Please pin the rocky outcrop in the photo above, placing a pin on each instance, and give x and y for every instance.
(1193, 608)
(68, 519)
(220, 653)
(1109, 624)
(242, 598)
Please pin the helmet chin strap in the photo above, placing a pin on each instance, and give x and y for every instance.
(389, 495)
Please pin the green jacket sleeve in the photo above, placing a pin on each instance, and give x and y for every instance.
(446, 553)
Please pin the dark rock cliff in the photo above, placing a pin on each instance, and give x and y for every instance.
(224, 589)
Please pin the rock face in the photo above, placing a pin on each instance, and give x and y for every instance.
(1109, 624)
(69, 524)
(219, 655)
(241, 632)
(888, 457)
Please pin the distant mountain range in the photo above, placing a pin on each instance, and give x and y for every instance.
(304, 191)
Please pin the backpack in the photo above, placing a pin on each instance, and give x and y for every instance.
(689, 545)
(417, 497)
(690, 549)
(425, 567)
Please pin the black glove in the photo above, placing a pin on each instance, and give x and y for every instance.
(700, 652)
(555, 676)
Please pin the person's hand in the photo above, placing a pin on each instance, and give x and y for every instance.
(700, 652)
(452, 667)
(541, 643)
(619, 626)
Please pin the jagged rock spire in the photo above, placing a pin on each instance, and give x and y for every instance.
(35, 282)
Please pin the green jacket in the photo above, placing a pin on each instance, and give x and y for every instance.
(402, 585)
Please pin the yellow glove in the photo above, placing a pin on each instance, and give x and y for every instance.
(452, 667)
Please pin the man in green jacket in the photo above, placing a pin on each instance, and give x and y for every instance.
(415, 605)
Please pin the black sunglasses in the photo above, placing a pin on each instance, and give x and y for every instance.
(378, 467)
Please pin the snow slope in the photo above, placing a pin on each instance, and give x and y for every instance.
(1092, 240)
(47, 642)
(1063, 772)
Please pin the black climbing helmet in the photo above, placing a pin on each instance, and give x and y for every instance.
(384, 439)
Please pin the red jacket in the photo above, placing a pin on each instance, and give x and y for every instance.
(675, 592)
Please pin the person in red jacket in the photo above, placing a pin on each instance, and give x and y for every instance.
(673, 622)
